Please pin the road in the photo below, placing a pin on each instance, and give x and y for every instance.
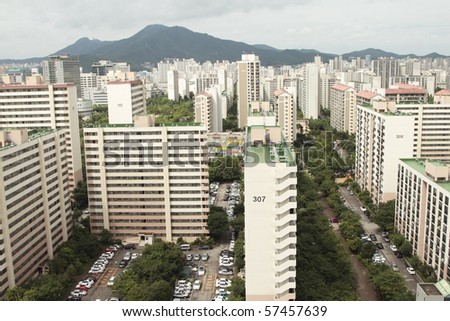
(372, 228)
(208, 288)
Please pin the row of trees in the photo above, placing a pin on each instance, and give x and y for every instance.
(324, 270)
(169, 111)
(226, 168)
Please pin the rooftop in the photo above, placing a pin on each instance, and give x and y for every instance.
(341, 87)
(418, 164)
(443, 92)
(429, 288)
(32, 135)
(268, 153)
(366, 94)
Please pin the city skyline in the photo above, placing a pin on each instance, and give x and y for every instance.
(326, 26)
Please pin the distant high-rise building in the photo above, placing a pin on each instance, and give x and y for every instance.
(248, 86)
(270, 216)
(148, 180)
(172, 85)
(309, 92)
(36, 213)
(386, 68)
(208, 109)
(343, 108)
(61, 69)
(287, 115)
(125, 100)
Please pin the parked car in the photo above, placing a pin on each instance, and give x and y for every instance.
(123, 263)
(410, 270)
(205, 247)
(111, 281)
(129, 246)
(380, 246)
(373, 237)
(197, 257)
(393, 248)
(394, 267)
(399, 255)
(205, 257)
(197, 285)
(201, 270)
(188, 257)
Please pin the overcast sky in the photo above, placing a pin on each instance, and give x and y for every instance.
(30, 28)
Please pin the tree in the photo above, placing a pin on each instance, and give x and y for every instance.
(406, 249)
(104, 237)
(80, 196)
(217, 223)
(225, 168)
(237, 289)
(384, 216)
(368, 249)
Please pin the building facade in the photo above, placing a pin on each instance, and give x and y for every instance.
(126, 99)
(36, 214)
(422, 211)
(286, 114)
(61, 69)
(343, 108)
(309, 92)
(270, 216)
(45, 106)
(382, 138)
(147, 180)
(248, 85)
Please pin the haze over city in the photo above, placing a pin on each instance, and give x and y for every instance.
(37, 29)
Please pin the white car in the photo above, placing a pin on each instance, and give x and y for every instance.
(201, 270)
(134, 256)
(223, 283)
(111, 281)
(393, 248)
(197, 285)
(410, 270)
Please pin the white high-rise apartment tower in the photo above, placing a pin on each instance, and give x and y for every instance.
(309, 92)
(270, 216)
(35, 207)
(45, 106)
(248, 85)
(148, 180)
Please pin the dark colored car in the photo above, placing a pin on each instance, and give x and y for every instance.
(373, 237)
(129, 246)
(123, 263)
(380, 246)
(399, 255)
(205, 247)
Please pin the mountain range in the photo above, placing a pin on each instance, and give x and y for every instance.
(156, 42)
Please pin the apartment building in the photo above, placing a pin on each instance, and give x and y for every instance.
(208, 109)
(382, 138)
(270, 215)
(45, 106)
(442, 97)
(60, 69)
(309, 92)
(365, 97)
(172, 85)
(403, 93)
(422, 211)
(248, 85)
(148, 180)
(126, 99)
(431, 135)
(385, 69)
(343, 108)
(36, 214)
(286, 114)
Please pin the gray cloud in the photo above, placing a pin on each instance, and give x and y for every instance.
(37, 28)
